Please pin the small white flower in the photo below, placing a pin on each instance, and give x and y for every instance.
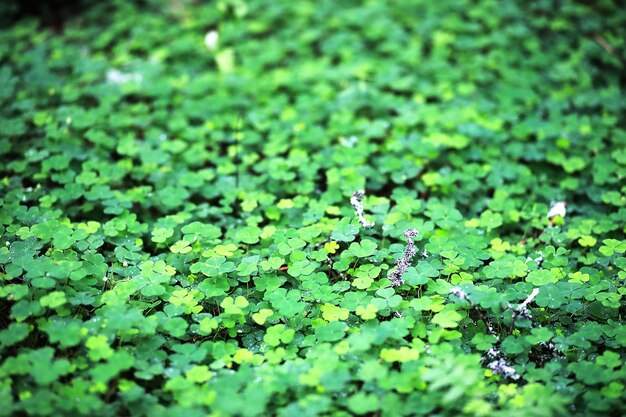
(118, 77)
(492, 352)
(211, 39)
(458, 292)
(501, 367)
(348, 142)
(557, 209)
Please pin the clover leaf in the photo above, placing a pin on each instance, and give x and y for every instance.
(331, 312)
(262, 315)
(447, 318)
(278, 334)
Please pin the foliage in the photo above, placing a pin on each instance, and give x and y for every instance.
(178, 234)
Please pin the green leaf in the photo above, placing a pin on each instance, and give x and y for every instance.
(541, 277)
(612, 246)
(331, 332)
(360, 403)
(54, 299)
(234, 306)
(344, 232)
(262, 315)
(278, 334)
(181, 247)
(587, 241)
(249, 235)
(447, 318)
(539, 335)
(490, 220)
(333, 313)
(161, 234)
(362, 249)
(98, 347)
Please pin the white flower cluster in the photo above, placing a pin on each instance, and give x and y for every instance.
(499, 365)
(459, 293)
(355, 200)
(403, 263)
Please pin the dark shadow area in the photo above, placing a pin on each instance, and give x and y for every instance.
(51, 13)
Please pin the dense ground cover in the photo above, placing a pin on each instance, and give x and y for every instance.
(181, 234)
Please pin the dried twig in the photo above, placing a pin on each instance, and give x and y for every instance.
(522, 309)
(604, 44)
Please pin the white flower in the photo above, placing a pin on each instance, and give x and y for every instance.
(348, 142)
(557, 209)
(118, 77)
(355, 201)
(501, 367)
(458, 292)
(211, 39)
